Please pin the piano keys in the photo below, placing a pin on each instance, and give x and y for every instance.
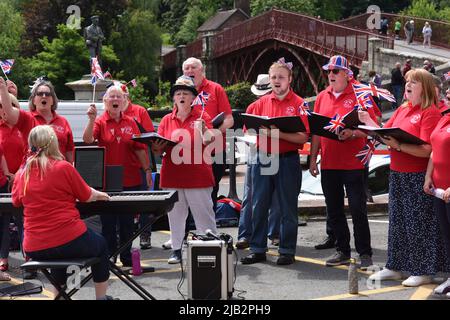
(125, 202)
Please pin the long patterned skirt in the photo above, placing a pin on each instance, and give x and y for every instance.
(414, 240)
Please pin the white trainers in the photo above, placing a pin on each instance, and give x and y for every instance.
(167, 245)
(443, 288)
(415, 281)
(386, 274)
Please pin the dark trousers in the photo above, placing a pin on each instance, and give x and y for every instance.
(442, 210)
(333, 183)
(126, 230)
(88, 245)
(144, 217)
(218, 172)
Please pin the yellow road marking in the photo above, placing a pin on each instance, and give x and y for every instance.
(363, 293)
(423, 292)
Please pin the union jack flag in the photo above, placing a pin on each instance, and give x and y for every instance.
(7, 65)
(133, 83)
(365, 102)
(336, 124)
(362, 89)
(201, 99)
(367, 152)
(304, 109)
(107, 75)
(447, 76)
(96, 71)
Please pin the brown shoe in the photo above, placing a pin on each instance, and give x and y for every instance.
(242, 244)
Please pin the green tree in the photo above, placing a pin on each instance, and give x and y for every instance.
(137, 43)
(240, 95)
(66, 59)
(423, 9)
(11, 30)
(301, 6)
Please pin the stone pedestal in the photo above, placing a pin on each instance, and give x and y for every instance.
(83, 88)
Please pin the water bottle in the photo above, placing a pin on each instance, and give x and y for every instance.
(136, 261)
(353, 277)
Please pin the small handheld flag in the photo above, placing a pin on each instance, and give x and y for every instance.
(361, 90)
(96, 71)
(304, 109)
(336, 124)
(6, 66)
(201, 100)
(367, 151)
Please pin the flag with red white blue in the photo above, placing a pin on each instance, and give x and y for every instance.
(362, 89)
(336, 124)
(367, 151)
(96, 71)
(365, 102)
(201, 99)
(7, 65)
(133, 83)
(447, 76)
(303, 109)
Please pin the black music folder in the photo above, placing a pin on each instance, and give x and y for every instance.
(289, 124)
(397, 133)
(90, 164)
(445, 111)
(149, 137)
(218, 120)
(317, 122)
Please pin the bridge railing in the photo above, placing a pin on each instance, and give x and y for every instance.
(314, 34)
(441, 30)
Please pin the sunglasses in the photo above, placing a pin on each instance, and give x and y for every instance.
(42, 94)
(334, 71)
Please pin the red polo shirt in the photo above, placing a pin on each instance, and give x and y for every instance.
(187, 174)
(440, 142)
(29, 120)
(419, 123)
(339, 155)
(120, 149)
(50, 216)
(3, 179)
(217, 98)
(141, 115)
(270, 106)
(442, 106)
(12, 143)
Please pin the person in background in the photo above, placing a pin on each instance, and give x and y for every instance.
(216, 102)
(427, 65)
(259, 89)
(186, 167)
(374, 78)
(114, 130)
(414, 239)
(427, 32)
(406, 67)
(48, 188)
(443, 105)
(409, 31)
(397, 28)
(384, 26)
(397, 83)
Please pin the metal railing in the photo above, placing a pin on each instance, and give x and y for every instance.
(299, 30)
(441, 29)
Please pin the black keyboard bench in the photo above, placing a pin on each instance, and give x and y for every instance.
(58, 264)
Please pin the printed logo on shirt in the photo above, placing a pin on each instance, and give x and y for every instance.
(192, 125)
(349, 103)
(290, 111)
(448, 130)
(112, 131)
(415, 118)
(58, 128)
(126, 130)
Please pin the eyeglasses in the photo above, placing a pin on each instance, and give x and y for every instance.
(334, 71)
(43, 93)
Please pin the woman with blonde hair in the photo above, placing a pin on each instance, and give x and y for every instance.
(48, 187)
(414, 241)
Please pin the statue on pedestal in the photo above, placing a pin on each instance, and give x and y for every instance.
(93, 35)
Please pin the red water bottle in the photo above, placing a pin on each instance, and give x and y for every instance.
(136, 261)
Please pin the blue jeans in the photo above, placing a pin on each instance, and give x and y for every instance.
(287, 181)
(88, 245)
(126, 230)
(245, 217)
(333, 183)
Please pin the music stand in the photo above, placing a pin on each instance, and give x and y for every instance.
(90, 164)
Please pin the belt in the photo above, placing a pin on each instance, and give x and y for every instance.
(284, 154)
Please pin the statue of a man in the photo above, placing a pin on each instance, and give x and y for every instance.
(93, 35)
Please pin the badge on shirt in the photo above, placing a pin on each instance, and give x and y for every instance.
(349, 103)
(126, 130)
(415, 118)
(290, 111)
(58, 128)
